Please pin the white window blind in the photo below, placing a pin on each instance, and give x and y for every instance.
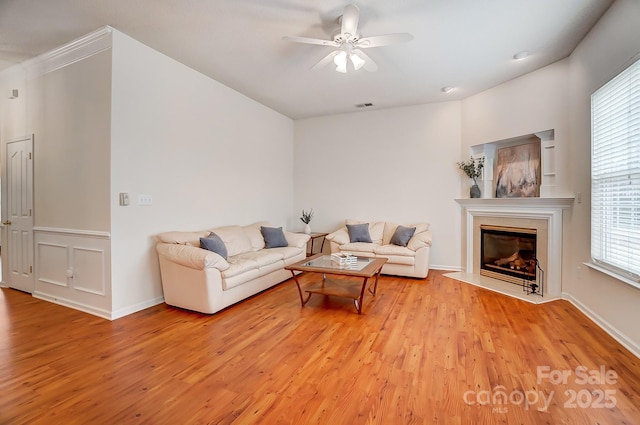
(615, 174)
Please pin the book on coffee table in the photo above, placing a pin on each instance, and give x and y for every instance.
(344, 259)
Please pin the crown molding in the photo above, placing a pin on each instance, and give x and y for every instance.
(74, 51)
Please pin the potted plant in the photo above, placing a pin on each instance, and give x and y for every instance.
(473, 170)
(306, 219)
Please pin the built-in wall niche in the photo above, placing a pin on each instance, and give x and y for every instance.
(522, 166)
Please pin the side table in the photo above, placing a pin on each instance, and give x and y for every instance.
(314, 236)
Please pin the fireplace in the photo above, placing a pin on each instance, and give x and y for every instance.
(544, 215)
(509, 253)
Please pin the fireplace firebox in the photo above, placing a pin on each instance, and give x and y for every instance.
(509, 254)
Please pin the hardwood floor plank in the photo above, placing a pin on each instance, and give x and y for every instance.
(432, 350)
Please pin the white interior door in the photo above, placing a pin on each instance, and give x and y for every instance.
(19, 222)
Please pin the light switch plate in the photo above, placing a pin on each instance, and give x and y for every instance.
(124, 199)
(145, 199)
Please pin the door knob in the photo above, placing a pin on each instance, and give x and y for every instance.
(7, 222)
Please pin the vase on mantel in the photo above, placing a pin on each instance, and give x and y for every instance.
(475, 192)
(307, 229)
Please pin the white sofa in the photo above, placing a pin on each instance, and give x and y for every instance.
(411, 260)
(197, 279)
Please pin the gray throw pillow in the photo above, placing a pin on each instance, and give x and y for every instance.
(273, 237)
(215, 244)
(402, 235)
(359, 232)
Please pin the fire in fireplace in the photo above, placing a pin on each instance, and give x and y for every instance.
(509, 254)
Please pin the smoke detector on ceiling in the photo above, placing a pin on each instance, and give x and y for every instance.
(521, 55)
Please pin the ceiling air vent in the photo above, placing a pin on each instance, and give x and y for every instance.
(364, 105)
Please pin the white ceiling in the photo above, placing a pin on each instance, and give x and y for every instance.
(468, 44)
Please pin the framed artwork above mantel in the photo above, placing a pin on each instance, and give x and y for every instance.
(517, 171)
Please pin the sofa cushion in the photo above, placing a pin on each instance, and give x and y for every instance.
(269, 268)
(359, 253)
(298, 240)
(394, 250)
(239, 279)
(260, 258)
(340, 236)
(191, 256)
(250, 265)
(234, 238)
(402, 235)
(288, 251)
(183, 238)
(390, 228)
(376, 229)
(359, 233)
(214, 243)
(273, 237)
(403, 260)
(255, 235)
(420, 240)
(238, 266)
(358, 247)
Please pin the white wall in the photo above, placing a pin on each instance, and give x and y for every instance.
(388, 165)
(208, 155)
(71, 167)
(65, 103)
(12, 126)
(606, 51)
(534, 102)
(13, 116)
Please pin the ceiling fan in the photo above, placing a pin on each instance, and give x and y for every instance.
(348, 44)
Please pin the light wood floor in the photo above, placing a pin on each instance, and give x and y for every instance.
(424, 351)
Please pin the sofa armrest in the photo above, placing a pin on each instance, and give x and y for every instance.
(420, 240)
(191, 256)
(339, 237)
(298, 240)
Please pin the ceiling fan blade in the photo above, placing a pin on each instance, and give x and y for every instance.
(383, 40)
(369, 64)
(350, 18)
(325, 60)
(307, 40)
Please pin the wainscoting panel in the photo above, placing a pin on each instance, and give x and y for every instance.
(48, 269)
(73, 268)
(89, 270)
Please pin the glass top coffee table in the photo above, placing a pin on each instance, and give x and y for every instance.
(362, 267)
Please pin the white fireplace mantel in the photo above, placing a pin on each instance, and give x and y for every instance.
(517, 203)
(546, 209)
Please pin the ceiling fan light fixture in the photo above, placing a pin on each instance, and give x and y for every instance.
(357, 61)
(341, 62)
(348, 43)
(447, 89)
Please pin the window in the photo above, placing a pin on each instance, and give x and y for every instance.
(615, 175)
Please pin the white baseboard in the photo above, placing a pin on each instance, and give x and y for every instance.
(606, 326)
(105, 314)
(447, 268)
(73, 304)
(135, 308)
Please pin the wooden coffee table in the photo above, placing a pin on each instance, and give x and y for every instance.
(364, 268)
